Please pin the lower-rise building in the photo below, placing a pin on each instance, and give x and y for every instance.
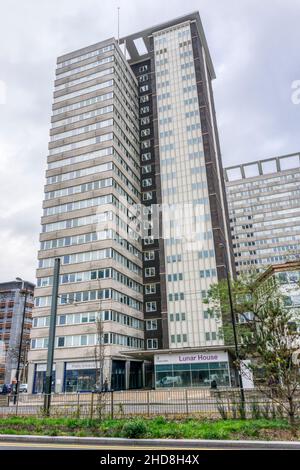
(12, 298)
(264, 210)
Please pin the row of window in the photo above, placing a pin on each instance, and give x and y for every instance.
(208, 273)
(174, 258)
(84, 116)
(83, 68)
(83, 103)
(85, 78)
(75, 341)
(176, 296)
(85, 276)
(177, 316)
(82, 143)
(80, 173)
(84, 129)
(84, 91)
(81, 204)
(179, 338)
(91, 237)
(90, 317)
(92, 220)
(267, 241)
(175, 277)
(81, 158)
(90, 296)
(81, 188)
(88, 55)
(87, 256)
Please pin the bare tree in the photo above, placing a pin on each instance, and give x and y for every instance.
(101, 385)
(13, 355)
(99, 352)
(269, 335)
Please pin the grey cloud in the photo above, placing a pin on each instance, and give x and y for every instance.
(255, 49)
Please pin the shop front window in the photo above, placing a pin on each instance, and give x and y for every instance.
(80, 380)
(192, 375)
(118, 375)
(40, 381)
(200, 375)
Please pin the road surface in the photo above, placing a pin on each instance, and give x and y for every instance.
(8, 442)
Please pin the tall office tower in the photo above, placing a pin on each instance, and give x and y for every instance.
(180, 167)
(138, 124)
(264, 208)
(12, 300)
(93, 173)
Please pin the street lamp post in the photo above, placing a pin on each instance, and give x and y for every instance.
(51, 344)
(233, 321)
(17, 384)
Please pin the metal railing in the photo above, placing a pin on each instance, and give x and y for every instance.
(200, 403)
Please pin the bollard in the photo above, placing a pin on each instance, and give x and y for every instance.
(186, 401)
(112, 404)
(92, 406)
(78, 405)
(148, 404)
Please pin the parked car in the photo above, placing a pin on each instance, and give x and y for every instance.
(5, 389)
(23, 388)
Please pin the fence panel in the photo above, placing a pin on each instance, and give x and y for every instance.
(176, 402)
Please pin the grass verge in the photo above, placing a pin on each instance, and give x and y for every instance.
(156, 428)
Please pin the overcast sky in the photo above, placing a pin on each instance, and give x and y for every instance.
(255, 49)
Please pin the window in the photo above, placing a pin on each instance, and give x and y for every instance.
(175, 277)
(147, 196)
(144, 99)
(151, 325)
(176, 296)
(145, 109)
(150, 289)
(146, 144)
(208, 314)
(152, 343)
(177, 317)
(149, 255)
(145, 132)
(144, 88)
(208, 273)
(143, 68)
(145, 120)
(60, 341)
(149, 272)
(151, 306)
(146, 169)
(173, 258)
(146, 156)
(148, 240)
(147, 182)
(143, 78)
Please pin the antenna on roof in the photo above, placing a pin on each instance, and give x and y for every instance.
(118, 25)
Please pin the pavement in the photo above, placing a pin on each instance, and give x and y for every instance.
(9, 442)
